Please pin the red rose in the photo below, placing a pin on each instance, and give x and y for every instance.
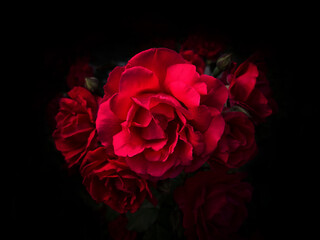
(118, 231)
(237, 144)
(78, 72)
(112, 182)
(213, 204)
(246, 93)
(205, 48)
(75, 130)
(160, 115)
(262, 83)
(195, 59)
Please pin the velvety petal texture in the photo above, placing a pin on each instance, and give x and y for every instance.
(75, 132)
(247, 91)
(112, 182)
(157, 60)
(237, 144)
(213, 204)
(160, 115)
(192, 57)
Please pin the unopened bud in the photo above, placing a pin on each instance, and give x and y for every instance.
(224, 61)
(91, 83)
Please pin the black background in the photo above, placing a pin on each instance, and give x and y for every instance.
(44, 196)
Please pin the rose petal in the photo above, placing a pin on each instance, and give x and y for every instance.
(138, 117)
(137, 164)
(214, 133)
(183, 152)
(157, 144)
(153, 131)
(107, 124)
(113, 82)
(120, 105)
(163, 109)
(202, 116)
(217, 92)
(161, 120)
(149, 101)
(219, 199)
(151, 155)
(244, 81)
(196, 139)
(126, 143)
(136, 80)
(259, 105)
(157, 60)
(79, 125)
(172, 137)
(82, 96)
(185, 73)
(184, 93)
(201, 88)
(171, 173)
(157, 169)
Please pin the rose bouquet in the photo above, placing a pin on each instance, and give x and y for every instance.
(160, 146)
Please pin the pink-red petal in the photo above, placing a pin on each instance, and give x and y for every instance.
(113, 82)
(107, 124)
(157, 60)
(244, 81)
(214, 133)
(136, 80)
(185, 94)
(217, 93)
(185, 73)
(153, 131)
(126, 143)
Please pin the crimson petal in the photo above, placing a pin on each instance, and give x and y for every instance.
(185, 73)
(137, 79)
(244, 82)
(127, 143)
(107, 123)
(157, 60)
(214, 133)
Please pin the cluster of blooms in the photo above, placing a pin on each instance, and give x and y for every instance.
(161, 116)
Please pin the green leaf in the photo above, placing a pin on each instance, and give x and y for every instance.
(142, 219)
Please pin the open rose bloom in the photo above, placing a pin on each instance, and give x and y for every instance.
(213, 204)
(161, 115)
(160, 118)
